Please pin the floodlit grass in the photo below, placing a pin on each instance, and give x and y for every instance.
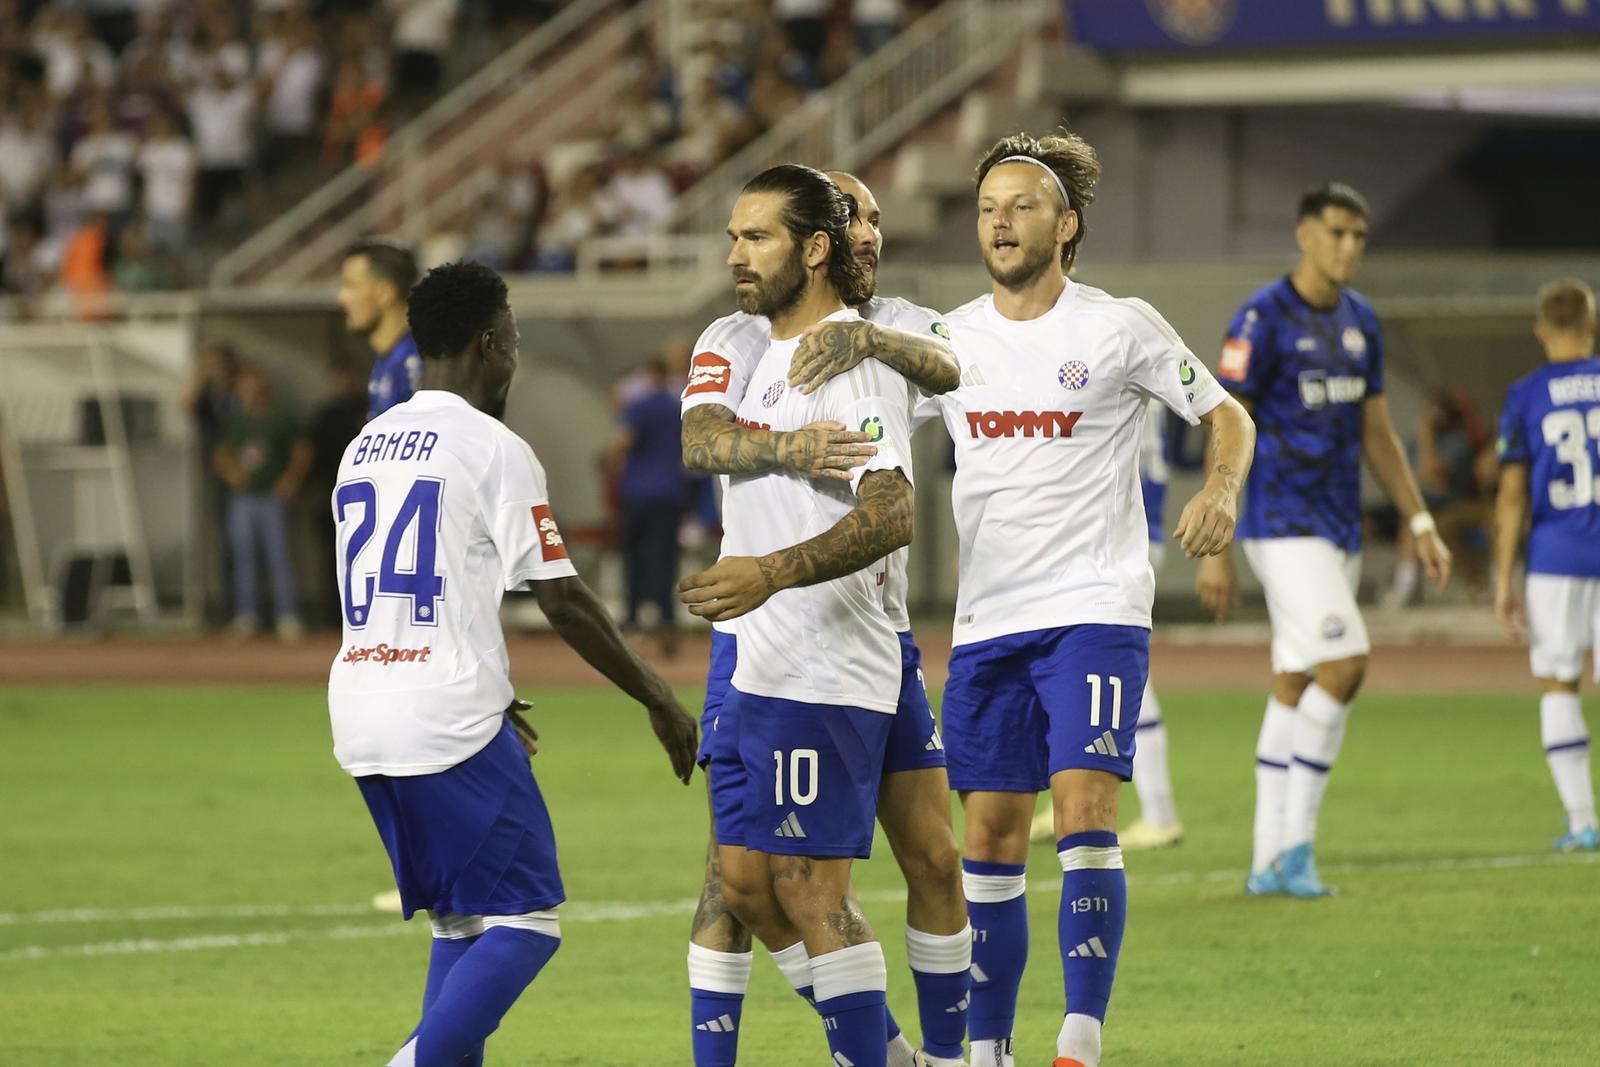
(184, 874)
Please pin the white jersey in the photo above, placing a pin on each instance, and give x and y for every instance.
(439, 509)
(725, 356)
(1047, 425)
(830, 643)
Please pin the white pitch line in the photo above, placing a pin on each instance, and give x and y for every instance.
(602, 911)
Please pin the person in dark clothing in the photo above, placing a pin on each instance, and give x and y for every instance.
(209, 399)
(335, 423)
(645, 455)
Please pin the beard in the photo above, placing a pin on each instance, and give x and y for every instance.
(1036, 259)
(772, 296)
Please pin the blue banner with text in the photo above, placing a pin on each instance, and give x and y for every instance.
(1163, 25)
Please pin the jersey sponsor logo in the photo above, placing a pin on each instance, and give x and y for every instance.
(551, 546)
(1575, 389)
(1073, 374)
(1186, 375)
(872, 426)
(383, 655)
(1026, 423)
(709, 373)
(939, 329)
(1235, 359)
(414, 445)
(773, 394)
(1306, 344)
(751, 424)
(1354, 341)
(1318, 390)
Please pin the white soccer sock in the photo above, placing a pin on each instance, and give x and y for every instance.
(939, 953)
(1150, 778)
(1080, 1039)
(406, 1057)
(857, 969)
(1566, 749)
(901, 1052)
(720, 972)
(1274, 749)
(795, 965)
(993, 1053)
(1318, 735)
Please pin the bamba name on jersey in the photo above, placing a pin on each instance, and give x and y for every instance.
(414, 445)
(1027, 423)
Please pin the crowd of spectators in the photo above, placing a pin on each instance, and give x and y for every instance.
(730, 71)
(134, 131)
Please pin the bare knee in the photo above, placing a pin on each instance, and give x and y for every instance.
(997, 826)
(1342, 678)
(1085, 801)
(934, 861)
(1287, 689)
(748, 897)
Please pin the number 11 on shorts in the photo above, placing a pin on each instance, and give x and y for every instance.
(1094, 700)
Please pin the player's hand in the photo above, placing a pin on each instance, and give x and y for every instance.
(525, 731)
(827, 350)
(824, 450)
(678, 734)
(1206, 525)
(1434, 557)
(736, 586)
(1509, 609)
(1217, 585)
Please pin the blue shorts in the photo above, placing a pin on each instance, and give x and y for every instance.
(811, 776)
(1019, 708)
(473, 840)
(914, 742)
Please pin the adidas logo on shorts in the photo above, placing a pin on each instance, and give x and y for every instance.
(1104, 745)
(790, 827)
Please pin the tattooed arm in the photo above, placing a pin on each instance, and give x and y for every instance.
(879, 524)
(829, 348)
(1206, 526)
(714, 443)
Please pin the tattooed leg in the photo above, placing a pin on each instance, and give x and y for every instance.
(715, 925)
(816, 896)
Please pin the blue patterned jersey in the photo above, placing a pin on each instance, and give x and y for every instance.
(395, 376)
(1307, 371)
(1153, 469)
(1551, 422)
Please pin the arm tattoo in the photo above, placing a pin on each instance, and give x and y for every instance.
(880, 523)
(714, 443)
(925, 362)
(1229, 474)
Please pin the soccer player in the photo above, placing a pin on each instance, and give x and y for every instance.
(1157, 825)
(1549, 449)
(913, 802)
(817, 676)
(1305, 355)
(1052, 628)
(440, 509)
(374, 280)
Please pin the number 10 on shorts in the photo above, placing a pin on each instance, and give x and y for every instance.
(1095, 681)
(802, 767)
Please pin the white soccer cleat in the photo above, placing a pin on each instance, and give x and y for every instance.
(1145, 835)
(922, 1059)
(388, 902)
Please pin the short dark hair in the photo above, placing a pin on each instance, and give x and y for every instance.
(813, 204)
(1069, 157)
(389, 259)
(1566, 305)
(1324, 195)
(453, 304)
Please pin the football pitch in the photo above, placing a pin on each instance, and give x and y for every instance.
(185, 873)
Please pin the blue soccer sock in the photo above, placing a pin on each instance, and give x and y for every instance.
(998, 911)
(941, 967)
(851, 988)
(446, 953)
(717, 983)
(480, 989)
(1094, 912)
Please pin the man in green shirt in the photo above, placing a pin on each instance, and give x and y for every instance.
(263, 458)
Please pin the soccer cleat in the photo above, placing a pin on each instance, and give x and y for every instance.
(1145, 835)
(1068, 1061)
(1267, 883)
(922, 1059)
(1585, 840)
(1044, 825)
(1297, 867)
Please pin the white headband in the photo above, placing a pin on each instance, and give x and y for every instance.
(1060, 188)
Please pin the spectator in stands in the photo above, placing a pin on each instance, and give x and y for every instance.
(352, 106)
(27, 153)
(646, 456)
(263, 457)
(137, 269)
(84, 272)
(26, 269)
(167, 164)
(292, 70)
(103, 159)
(639, 192)
(421, 36)
(73, 57)
(710, 127)
(876, 22)
(578, 213)
(805, 24)
(222, 113)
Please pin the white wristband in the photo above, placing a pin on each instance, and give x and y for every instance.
(1422, 523)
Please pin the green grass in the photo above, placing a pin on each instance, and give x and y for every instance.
(117, 798)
